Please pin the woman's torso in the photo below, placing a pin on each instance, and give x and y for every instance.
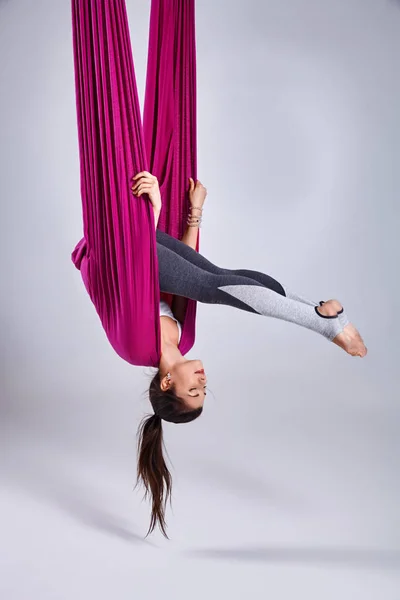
(168, 319)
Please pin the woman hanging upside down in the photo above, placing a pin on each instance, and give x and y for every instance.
(178, 389)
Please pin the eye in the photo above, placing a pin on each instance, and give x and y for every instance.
(194, 389)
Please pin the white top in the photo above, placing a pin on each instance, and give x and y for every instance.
(165, 311)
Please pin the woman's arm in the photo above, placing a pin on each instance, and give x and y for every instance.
(197, 197)
(157, 212)
(146, 183)
(190, 236)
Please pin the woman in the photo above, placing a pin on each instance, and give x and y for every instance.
(178, 389)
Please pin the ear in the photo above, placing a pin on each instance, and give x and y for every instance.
(164, 383)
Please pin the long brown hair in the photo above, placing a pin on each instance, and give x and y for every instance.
(151, 467)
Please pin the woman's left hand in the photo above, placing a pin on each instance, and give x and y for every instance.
(146, 183)
(197, 193)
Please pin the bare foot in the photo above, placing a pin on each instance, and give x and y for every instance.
(349, 339)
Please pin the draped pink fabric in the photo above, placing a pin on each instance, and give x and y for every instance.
(117, 256)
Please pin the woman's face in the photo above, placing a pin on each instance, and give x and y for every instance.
(188, 383)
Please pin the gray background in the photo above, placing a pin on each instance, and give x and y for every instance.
(287, 487)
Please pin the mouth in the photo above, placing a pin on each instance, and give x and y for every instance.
(200, 371)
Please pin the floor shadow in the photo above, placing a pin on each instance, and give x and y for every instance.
(76, 503)
(98, 518)
(335, 557)
(54, 483)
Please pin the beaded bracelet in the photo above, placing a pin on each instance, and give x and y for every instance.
(194, 221)
(194, 225)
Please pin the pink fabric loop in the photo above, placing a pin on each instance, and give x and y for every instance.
(118, 255)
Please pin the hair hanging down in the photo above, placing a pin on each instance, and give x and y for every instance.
(151, 466)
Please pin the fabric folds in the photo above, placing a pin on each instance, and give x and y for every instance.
(117, 255)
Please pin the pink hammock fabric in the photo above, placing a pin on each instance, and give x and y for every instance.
(117, 256)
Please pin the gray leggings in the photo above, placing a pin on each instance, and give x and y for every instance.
(185, 272)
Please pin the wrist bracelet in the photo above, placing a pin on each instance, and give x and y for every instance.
(194, 220)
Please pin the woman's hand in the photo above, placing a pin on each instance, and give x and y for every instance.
(197, 197)
(197, 194)
(146, 183)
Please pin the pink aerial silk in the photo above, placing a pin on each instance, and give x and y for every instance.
(117, 256)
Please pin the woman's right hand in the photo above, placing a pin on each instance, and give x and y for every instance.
(146, 183)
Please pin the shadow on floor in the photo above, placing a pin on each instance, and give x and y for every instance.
(57, 482)
(336, 557)
(97, 518)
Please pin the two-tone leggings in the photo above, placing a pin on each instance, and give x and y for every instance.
(185, 272)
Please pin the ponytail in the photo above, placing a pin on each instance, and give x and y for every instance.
(152, 469)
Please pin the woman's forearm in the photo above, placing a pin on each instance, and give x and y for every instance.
(190, 237)
(156, 216)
